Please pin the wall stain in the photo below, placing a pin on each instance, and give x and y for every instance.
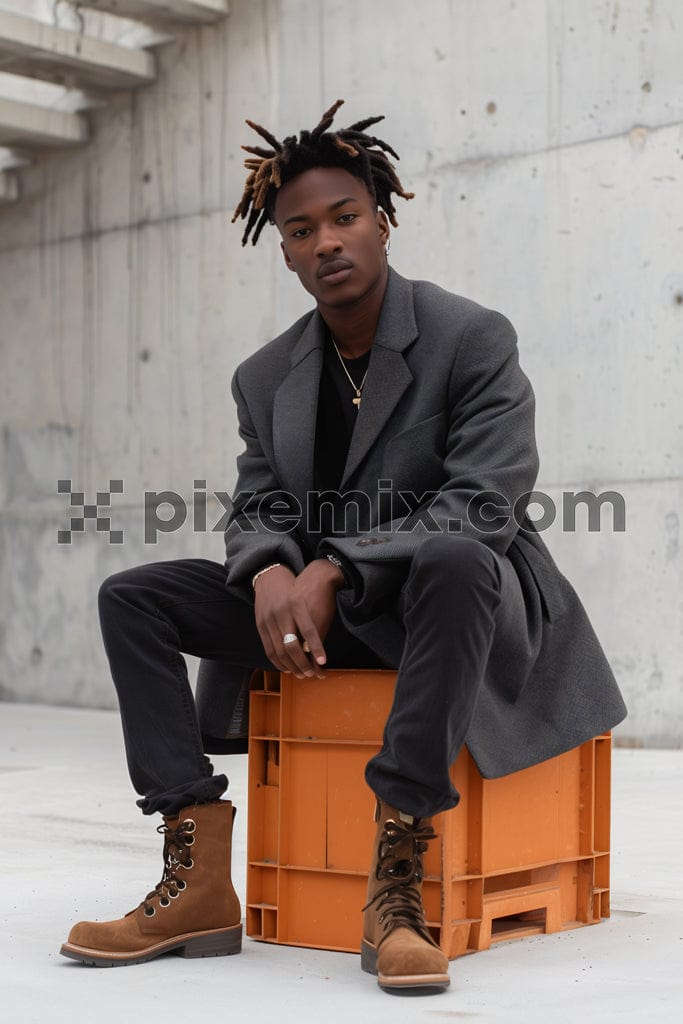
(672, 529)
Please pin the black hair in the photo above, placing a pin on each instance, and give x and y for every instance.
(350, 148)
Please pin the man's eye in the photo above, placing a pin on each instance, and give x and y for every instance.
(299, 233)
(346, 218)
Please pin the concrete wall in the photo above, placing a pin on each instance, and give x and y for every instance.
(544, 144)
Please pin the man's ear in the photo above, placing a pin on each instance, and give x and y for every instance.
(383, 225)
(288, 262)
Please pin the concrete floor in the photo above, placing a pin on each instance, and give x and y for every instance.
(75, 846)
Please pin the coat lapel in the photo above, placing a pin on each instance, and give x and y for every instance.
(295, 410)
(388, 372)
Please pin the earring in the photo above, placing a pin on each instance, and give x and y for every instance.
(388, 248)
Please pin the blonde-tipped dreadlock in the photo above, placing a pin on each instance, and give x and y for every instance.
(349, 148)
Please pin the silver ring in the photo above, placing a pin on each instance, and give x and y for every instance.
(290, 638)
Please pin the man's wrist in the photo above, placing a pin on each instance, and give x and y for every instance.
(262, 572)
(341, 574)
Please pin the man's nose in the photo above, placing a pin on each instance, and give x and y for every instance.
(327, 242)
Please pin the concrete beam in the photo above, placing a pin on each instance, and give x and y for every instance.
(25, 124)
(37, 50)
(197, 11)
(9, 188)
(11, 159)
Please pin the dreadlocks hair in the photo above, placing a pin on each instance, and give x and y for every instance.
(348, 148)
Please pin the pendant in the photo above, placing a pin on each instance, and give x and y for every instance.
(356, 401)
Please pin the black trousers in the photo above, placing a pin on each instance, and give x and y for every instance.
(151, 614)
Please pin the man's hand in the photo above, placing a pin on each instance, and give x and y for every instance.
(303, 605)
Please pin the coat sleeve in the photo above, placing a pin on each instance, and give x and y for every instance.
(490, 463)
(258, 530)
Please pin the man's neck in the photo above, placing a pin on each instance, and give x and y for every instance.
(353, 327)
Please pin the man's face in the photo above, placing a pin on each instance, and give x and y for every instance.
(333, 236)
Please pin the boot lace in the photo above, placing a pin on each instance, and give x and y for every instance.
(176, 854)
(399, 903)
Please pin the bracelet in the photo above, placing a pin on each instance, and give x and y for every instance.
(274, 565)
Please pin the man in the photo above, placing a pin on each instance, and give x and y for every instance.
(379, 519)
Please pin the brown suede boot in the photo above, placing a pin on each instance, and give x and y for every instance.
(192, 911)
(397, 945)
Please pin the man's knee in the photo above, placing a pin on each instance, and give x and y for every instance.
(123, 583)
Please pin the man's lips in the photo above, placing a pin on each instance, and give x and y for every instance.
(334, 267)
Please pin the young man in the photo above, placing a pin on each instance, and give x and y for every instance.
(379, 519)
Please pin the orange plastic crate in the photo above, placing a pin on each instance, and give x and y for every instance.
(520, 855)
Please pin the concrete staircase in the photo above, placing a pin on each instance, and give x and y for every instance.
(33, 49)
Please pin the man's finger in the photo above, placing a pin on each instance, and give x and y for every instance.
(274, 648)
(312, 639)
(268, 646)
(293, 653)
(275, 660)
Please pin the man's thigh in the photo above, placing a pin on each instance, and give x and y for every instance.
(189, 595)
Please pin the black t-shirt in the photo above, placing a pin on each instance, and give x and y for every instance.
(336, 420)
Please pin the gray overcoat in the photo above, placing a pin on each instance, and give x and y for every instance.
(447, 416)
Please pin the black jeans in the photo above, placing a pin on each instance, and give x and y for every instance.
(152, 613)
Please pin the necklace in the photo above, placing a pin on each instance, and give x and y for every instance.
(358, 388)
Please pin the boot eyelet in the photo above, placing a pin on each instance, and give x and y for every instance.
(189, 841)
(150, 911)
(164, 902)
(190, 824)
(180, 884)
(189, 865)
(173, 895)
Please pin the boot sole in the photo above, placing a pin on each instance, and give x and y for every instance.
(368, 963)
(218, 942)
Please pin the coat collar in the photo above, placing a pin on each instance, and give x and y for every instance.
(296, 401)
